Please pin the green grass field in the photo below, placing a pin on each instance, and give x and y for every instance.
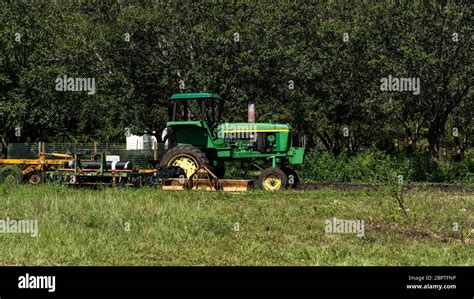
(89, 227)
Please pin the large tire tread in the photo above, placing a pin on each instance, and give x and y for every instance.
(185, 149)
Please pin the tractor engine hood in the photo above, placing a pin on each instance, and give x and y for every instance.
(253, 128)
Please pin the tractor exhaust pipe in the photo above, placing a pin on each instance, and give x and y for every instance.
(251, 113)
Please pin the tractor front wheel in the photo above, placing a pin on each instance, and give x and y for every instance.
(272, 179)
(187, 157)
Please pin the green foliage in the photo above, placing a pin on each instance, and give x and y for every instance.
(376, 166)
(462, 171)
(322, 166)
(139, 51)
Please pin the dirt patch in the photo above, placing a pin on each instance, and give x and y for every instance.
(362, 186)
(419, 233)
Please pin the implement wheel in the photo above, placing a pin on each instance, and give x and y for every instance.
(272, 179)
(36, 178)
(11, 175)
(187, 157)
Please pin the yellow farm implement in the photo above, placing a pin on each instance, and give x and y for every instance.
(71, 170)
(31, 170)
(204, 179)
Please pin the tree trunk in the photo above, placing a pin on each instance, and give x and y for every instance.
(411, 143)
(433, 141)
(4, 147)
(310, 142)
(459, 151)
(325, 140)
(336, 147)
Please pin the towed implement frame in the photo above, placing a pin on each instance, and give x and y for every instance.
(102, 173)
(31, 170)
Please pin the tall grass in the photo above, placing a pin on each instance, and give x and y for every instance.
(152, 227)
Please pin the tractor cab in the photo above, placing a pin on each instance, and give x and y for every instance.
(193, 119)
(195, 107)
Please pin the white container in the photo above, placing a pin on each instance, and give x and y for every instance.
(112, 158)
(135, 142)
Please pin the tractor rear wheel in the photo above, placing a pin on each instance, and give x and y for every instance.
(272, 179)
(188, 157)
(293, 179)
(11, 175)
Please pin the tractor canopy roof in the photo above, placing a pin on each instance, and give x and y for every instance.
(189, 96)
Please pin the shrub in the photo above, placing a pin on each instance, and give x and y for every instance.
(372, 166)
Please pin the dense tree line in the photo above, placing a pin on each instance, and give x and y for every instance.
(317, 65)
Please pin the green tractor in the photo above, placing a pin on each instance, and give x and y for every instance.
(194, 137)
